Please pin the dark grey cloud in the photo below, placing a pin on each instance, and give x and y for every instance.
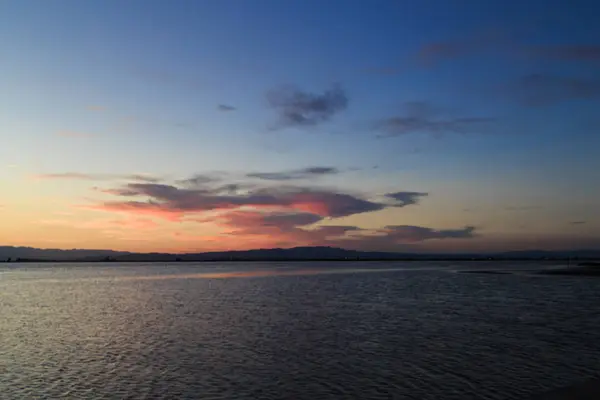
(296, 108)
(406, 198)
(401, 237)
(155, 191)
(337, 230)
(285, 229)
(292, 229)
(142, 178)
(336, 204)
(257, 221)
(295, 174)
(233, 188)
(411, 233)
(421, 117)
(171, 199)
(321, 170)
(578, 222)
(542, 90)
(226, 107)
(291, 219)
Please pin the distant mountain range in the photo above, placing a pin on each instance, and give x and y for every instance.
(296, 253)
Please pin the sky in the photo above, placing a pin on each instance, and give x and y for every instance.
(199, 125)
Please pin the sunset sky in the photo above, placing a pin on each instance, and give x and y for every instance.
(198, 125)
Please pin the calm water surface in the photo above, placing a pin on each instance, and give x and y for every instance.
(292, 331)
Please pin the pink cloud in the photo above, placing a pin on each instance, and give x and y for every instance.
(171, 202)
(128, 223)
(139, 208)
(256, 215)
(254, 229)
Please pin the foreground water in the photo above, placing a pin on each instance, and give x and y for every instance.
(293, 331)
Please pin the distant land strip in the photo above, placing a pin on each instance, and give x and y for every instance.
(329, 254)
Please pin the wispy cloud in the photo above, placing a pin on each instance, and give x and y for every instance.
(97, 177)
(304, 173)
(578, 222)
(197, 180)
(402, 237)
(487, 41)
(226, 107)
(411, 233)
(522, 208)
(502, 45)
(141, 178)
(541, 89)
(297, 108)
(111, 224)
(73, 134)
(434, 53)
(421, 117)
(571, 53)
(406, 198)
(71, 175)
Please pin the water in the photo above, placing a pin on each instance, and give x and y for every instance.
(292, 331)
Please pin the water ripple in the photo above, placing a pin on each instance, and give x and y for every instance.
(150, 332)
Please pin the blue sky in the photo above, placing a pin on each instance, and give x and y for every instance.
(506, 98)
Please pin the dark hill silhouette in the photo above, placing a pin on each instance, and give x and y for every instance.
(296, 253)
(55, 254)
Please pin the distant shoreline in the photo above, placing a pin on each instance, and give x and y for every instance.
(294, 254)
(587, 263)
